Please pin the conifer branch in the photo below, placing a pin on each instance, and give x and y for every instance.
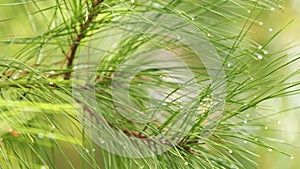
(81, 35)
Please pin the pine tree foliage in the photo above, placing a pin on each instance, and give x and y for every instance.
(41, 63)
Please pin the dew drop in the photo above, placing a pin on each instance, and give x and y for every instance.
(156, 5)
(279, 122)
(15, 77)
(209, 35)
(266, 127)
(41, 135)
(248, 11)
(132, 1)
(178, 37)
(87, 150)
(139, 85)
(259, 56)
(93, 150)
(292, 157)
(260, 23)
(245, 121)
(52, 72)
(270, 149)
(265, 52)
(101, 140)
(230, 151)
(259, 47)
(186, 163)
(229, 65)
(53, 127)
(272, 9)
(162, 77)
(43, 167)
(192, 18)
(142, 167)
(247, 115)
(51, 83)
(255, 139)
(245, 141)
(270, 29)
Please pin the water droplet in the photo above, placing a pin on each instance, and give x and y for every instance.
(270, 149)
(156, 5)
(93, 150)
(292, 157)
(10, 130)
(1, 139)
(101, 140)
(139, 84)
(15, 77)
(51, 83)
(186, 163)
(259, 47)
(245, 141)
(270, 29)
(279, 122)
(192, 18)
(87, 150)
(142, 167)
(53, 127)
(265, 52)
(266, 127)
(52, 72)
(43, 167)
(248, 11)
(229, 65)
(255, 139)
(132, 1)
(260, 23)
(259, 56)
(41, 135)
(272, 9)
(209, 35)
(245, 121)
(230, 151)
(178, 37)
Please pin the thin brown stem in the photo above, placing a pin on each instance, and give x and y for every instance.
(81, 35)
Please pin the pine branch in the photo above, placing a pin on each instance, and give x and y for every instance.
(93, 13)
(35, 97)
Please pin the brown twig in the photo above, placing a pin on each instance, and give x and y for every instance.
(81, 35)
